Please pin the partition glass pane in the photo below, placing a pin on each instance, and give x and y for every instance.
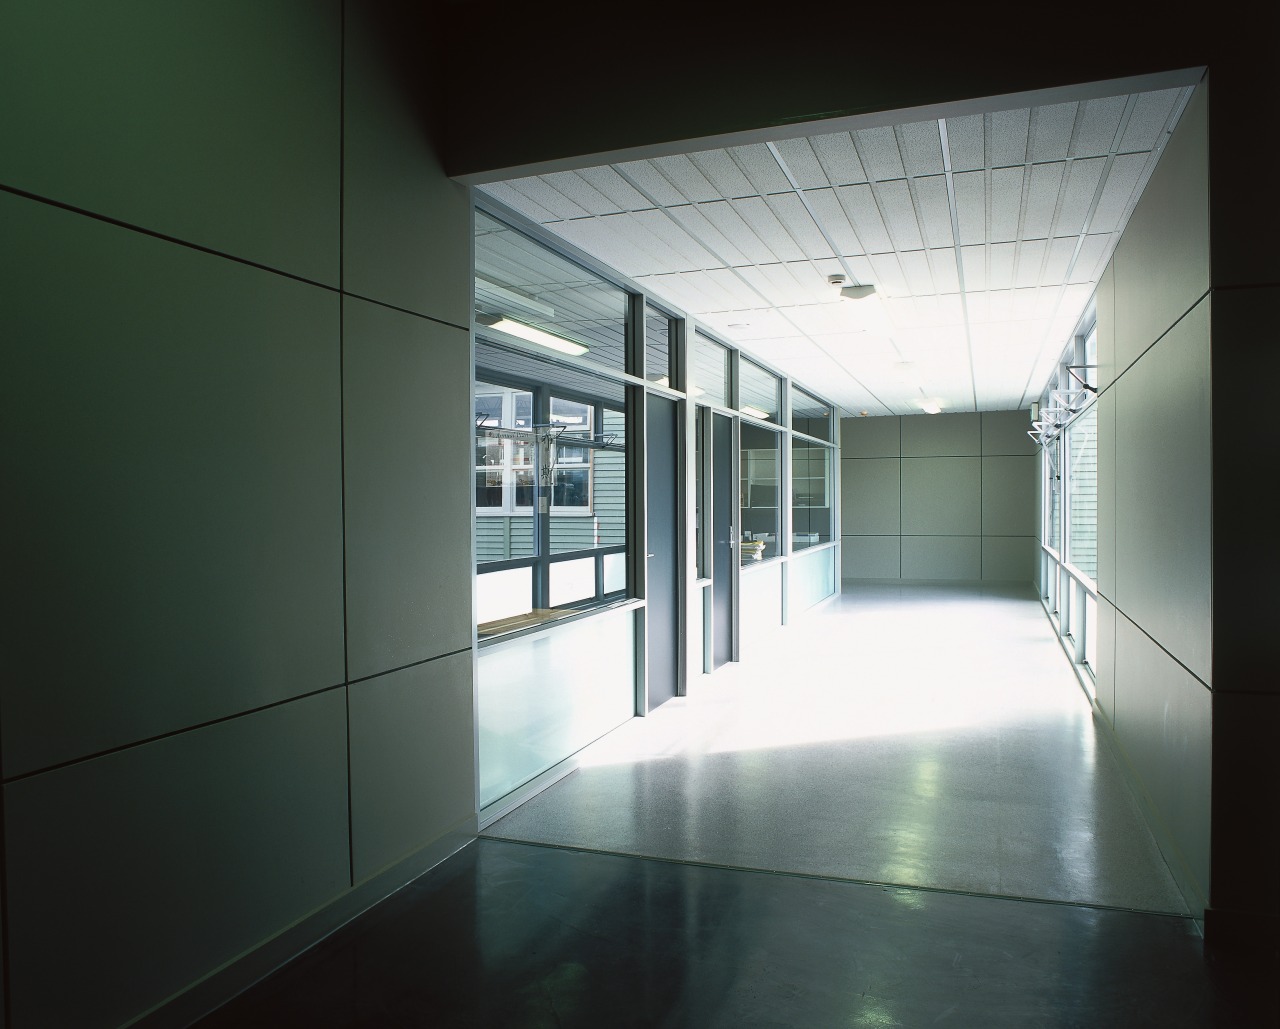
(657, 348)
(810, 415)
(759, 484)
(811, 494)
(1082, 483)
(709, 372)
(758, 392)
(810, 579)
(534, 295)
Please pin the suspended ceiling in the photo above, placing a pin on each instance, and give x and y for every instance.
(984, 235)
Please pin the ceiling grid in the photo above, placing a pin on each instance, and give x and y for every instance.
(983, 234)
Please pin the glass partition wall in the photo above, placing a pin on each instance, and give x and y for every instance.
(565, 354)
(1067, 431)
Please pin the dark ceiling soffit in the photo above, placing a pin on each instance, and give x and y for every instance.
(841, 122)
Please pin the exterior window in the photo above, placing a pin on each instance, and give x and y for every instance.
(1082, 496)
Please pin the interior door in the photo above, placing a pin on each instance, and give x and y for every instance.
(662, 601)
(724, 539)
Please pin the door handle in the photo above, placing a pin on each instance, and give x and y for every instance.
(651, 555)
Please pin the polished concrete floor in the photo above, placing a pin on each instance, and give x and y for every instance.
(900, 816)
(925, 736)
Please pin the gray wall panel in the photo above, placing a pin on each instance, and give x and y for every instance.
(1105, 308)
(942, 435)
(1007, 483)
(1163, 529)
(1105, 673)
(132, 874)
(871, 437)
(1009, 558)
(412, 765)
(871, 496)
(1163, 720)
(942, 557)
(218, 124)
(397, 202)
(1005, 433)
(871, 557)
(176, 547)
(1162, 261)
(942, 496)
(408, 483)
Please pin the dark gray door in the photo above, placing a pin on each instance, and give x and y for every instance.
(662, 616)
(724, 539)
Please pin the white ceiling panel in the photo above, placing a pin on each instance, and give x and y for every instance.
(675, 236)
(942, 263)
(1146, 125)
(694, 221)
(735, 284)
(723, 215)
(1030, 257)
(646, 178)
(966, 142)
(1117, 191)
(612, 241)
(1077, 195)
(1096, 129)
(899, 214)
(722, 171)
(879, 151)
(933, 210)
(1004, 204)
(581, 192)
(918, 273)
(831, 214)
(545, 195)
(860, 208)
(611, 184)
(887, 275)
(1007, 137)
(974, 261)
(803, 164)
(791, 212)
(1051, 128)
(839, 158)
(687, 177)
(513, 198)
(761, 168)
(921, 148)
(765, 224)
(779, 294)
(1042, 200)
(1000, 260)
(971, 206)
(1093, 251)
(1058, 260)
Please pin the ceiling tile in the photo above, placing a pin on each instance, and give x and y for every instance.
(971, 206)
(973, 260)
(729, 222)
(1077, 195)
(761, 168)
(1096, 131)
(921, 148)
(789, 209)
(764, 223)
(1050, 131)
(607, 180)
(1059, 260)
(581, 192)
(1042, 199)
(1093, 250)
(677, 238)
(645, 177)
(933, 210)
(1007, 137)
(1000, 257)
(686, 177)
(942, 263)
(545, 195)
(513, 198)
(696, 223)
(622, 243)
(887, 274)
(1117, 191)
(736, 286)
(966, 143)
(1004, 204)
(839, 158)
(860, 207)
(899, 214)
(919, 276)
(723, 172)
(879, 151)
(1147, 121)
(802, 163)
(831, 215)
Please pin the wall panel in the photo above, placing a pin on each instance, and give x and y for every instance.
(177, 537)
(871, 496)
(942, 496)
(942, 557)
(130, 875)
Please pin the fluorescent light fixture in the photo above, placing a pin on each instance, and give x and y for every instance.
(755, 412)
(543, 338)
